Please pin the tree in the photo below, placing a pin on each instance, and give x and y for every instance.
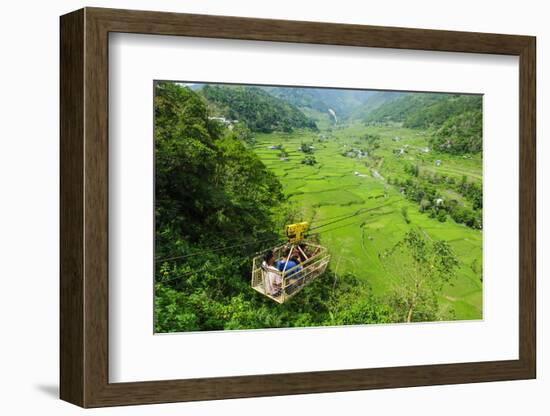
(420, 268)
(441, 215)
(243, 133)
(373, 142)
(413, 170)
(309, 160)
(282, 152)
(306, 148)
(425, 204)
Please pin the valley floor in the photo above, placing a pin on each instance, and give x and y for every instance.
(358, 214)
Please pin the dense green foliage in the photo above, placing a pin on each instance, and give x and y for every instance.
(330, 301)
(455, 120)
(372, 141)
(243, 133)
(306, 147)
(209, 187)
(206, 179)
(425, 189)
(261, 111)
(460, 133)
(421, 267)
(309, 160)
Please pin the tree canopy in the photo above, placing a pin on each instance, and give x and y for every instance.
(261, 111)
(421, 268)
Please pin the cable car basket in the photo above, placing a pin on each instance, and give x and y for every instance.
(284, 278)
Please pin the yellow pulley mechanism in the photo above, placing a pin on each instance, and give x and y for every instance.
(296, 232)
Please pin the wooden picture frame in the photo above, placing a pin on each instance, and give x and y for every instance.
(84, 207)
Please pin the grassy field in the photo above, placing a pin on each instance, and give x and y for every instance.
(359, 214)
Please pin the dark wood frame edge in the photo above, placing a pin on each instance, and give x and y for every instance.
(84, 207)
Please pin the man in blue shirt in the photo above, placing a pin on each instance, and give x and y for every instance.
(290, 265)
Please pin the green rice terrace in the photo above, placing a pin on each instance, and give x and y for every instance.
(353, 192)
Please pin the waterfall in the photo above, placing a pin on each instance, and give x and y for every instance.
(333, 114)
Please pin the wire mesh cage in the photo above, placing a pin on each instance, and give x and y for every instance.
(284, 278)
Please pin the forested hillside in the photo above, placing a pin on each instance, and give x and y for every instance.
(209, 187)
(261, 111)
(455, 120)
(300, 97)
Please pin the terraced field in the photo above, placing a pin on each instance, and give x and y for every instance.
(357, 214)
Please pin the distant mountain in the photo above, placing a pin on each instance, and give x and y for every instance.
(261, 111)
(342, 102)
(300, 97)
(424, 110)
(346, 104)
(377, 99)
(455, 120)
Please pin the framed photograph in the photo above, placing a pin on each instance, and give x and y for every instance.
(255, 207)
